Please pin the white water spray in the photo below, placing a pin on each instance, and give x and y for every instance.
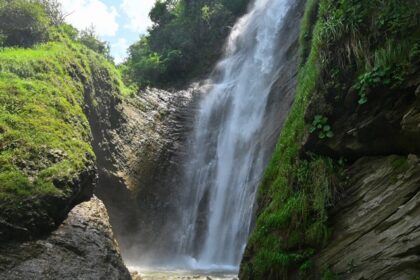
(226, 153)
(205, 221)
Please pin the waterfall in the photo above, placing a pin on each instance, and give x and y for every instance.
(226, 159)
(204, 217)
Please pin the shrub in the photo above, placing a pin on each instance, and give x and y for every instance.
(53, 10)
(89, 38)
(23, 23)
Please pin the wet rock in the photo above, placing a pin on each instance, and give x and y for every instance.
(136, 140)
(377, 223)
(83, 247)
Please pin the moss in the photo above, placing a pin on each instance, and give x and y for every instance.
(340, 41)
(400, 164)
(329, 275)
(306, 29)
(44, 132)
(291, 215)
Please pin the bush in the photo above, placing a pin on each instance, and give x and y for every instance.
(53, 10)
(89, 38)
(23, 23)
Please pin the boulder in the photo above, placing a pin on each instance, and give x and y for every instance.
(83, 247)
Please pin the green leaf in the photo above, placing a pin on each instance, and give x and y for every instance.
(330, 134)
(327, 128)
(362, 100)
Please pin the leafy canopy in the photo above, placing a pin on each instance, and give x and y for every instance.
(184, 42)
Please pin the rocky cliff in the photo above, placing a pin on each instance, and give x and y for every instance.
(138, 142)
(47, 164)
(340, 198)
(376, 223)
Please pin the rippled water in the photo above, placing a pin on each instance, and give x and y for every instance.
(177, 275)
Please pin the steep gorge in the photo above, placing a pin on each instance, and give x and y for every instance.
(338, 200)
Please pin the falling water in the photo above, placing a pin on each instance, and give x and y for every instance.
(226, 153)
(206, 222)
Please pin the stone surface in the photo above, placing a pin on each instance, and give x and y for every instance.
(377, 222)
(136, 140)
(40, 215)
(83, 247)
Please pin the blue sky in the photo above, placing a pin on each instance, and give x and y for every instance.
(120, 22)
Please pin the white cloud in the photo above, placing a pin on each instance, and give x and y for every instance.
(84, 13)
(137, 12)
(119, 50)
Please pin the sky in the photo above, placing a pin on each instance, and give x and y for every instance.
(120, 22)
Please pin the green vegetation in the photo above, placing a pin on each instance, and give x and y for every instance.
(185, 41)
(42, 99)
(320, 125)
(370, 46)
(329, 275)
(44, 132)
(41, 112)
(400, 164)
(89, 38)
(23, 23)
(295, 193)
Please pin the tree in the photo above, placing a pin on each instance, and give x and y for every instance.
(53, 10)
(184, 42)
(89, 38)
(23, 23)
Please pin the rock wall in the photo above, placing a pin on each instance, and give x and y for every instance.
(376, 223)
(47, 163)
(83, 247)
(340, 199)
(137, 141)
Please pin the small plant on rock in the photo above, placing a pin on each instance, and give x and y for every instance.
(377, 77)
(320, 125)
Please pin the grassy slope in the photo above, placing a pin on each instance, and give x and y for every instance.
(340, 42)
(291, 215)
(44, 133)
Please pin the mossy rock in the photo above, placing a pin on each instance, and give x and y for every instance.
(47, 164)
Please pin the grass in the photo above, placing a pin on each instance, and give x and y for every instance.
(294, 193)
(44, 132)
(342, 43)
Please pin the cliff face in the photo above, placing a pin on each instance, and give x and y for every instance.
(340, 198)
(376, 223)
(47, 164)
(138, 142)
